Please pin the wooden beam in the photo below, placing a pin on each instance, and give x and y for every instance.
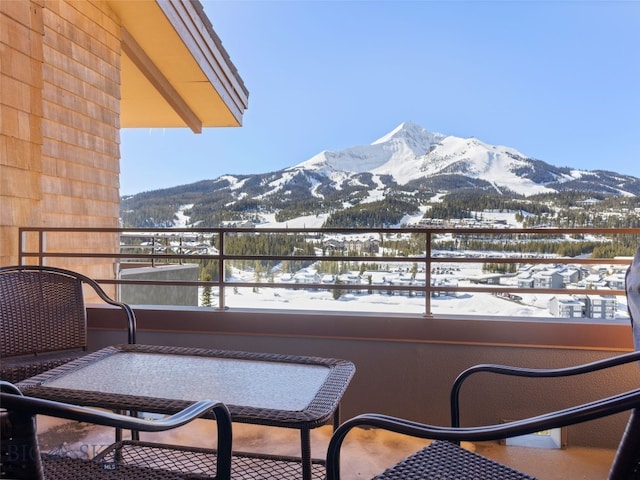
(138, 56)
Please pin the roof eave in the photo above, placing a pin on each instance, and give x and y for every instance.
(174, 70)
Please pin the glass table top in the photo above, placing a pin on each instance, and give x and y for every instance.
(251, 383)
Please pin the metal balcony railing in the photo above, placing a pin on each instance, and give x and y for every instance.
(416, 255)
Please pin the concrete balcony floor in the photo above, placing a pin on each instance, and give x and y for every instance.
(365, 452)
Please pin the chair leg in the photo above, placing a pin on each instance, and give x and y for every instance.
(20, 455)
(626, 464)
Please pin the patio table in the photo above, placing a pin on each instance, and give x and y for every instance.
(259, 388)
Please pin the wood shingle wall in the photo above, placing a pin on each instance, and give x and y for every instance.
(59, 141)
(21, 44)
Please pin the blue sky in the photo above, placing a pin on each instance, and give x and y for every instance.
(557, 80)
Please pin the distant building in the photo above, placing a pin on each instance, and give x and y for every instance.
(616, 281)
(599, 306)
(350, 279)
(356, 245)
(570, 275)
(333, 244)
(593, 281)
(368, 245)
(525, 280)
(548, 279)
(488, 279)
(238, 224)
(567, 307)
(328, 279)
(306, 276)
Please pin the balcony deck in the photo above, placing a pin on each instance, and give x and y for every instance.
(366, 452)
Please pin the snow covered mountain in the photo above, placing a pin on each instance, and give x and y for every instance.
(411, 153)
(403, 169)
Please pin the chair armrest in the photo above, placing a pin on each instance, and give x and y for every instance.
(569, 416)
(23, 409)
(532, 373)
(131, 317)
(31, 405)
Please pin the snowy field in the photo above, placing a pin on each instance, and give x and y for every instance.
(477, 304)
(460, 303)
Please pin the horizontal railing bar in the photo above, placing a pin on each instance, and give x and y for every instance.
(507, 289)
(334, 258)
(125, 256)
(364, 286)
(390, 230)
(316, 286)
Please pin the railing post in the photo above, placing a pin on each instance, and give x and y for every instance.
(427, 273)
(22, 241)
(153, 250)
(221, 281)
(42, 246)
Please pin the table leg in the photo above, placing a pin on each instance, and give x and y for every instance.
(336, 418)
(305, 445)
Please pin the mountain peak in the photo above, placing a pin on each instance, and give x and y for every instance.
(409, 131)
(407, 140)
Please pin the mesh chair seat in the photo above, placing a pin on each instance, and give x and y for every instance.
(66, 468)
(446, 460)
(200, 462)
(16, 369)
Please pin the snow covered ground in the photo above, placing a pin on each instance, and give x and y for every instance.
(460, 303)
(477, 304)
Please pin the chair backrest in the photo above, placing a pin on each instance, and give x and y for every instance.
(627, 462)
(41, 310)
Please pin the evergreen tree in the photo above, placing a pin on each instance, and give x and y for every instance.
(206, 293)
(337, 293)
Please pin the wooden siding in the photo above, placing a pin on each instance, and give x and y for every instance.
(21, 42)
(60, 140)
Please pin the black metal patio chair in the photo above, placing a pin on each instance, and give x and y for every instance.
(43, 319)
(445, 459)
(21, 457)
